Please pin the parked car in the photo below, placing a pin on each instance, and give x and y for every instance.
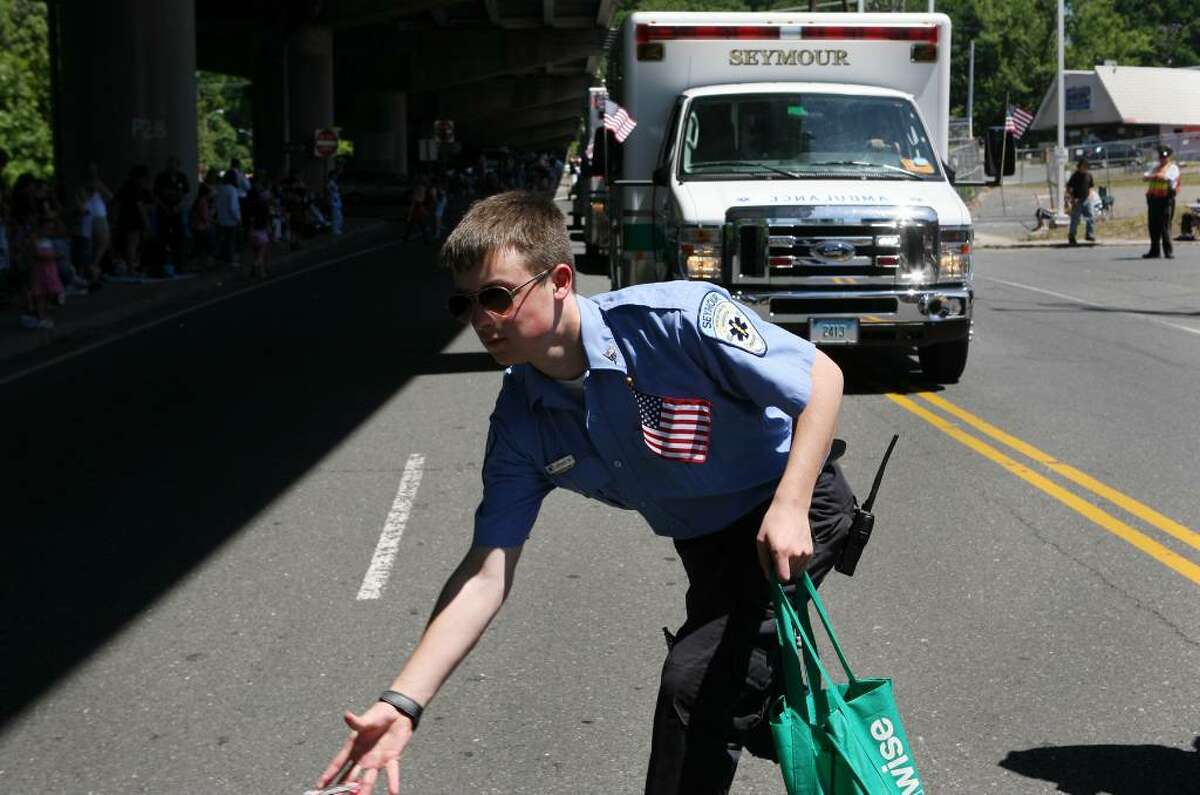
(1114, 153)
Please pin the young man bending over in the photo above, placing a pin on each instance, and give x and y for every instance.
(668, 399)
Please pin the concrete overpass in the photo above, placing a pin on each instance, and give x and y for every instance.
(508, 72)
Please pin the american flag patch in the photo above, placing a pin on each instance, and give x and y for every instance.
(675, 428)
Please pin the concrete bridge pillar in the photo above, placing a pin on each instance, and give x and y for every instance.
(293, 98)
(380, 132)
(127, 87)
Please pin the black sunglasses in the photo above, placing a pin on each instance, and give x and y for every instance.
(495, 299)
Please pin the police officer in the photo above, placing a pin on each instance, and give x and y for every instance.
(1163, 182)
(668, 399)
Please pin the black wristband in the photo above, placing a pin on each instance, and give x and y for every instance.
(404, 705)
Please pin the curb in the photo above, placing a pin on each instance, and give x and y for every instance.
(1056, 244)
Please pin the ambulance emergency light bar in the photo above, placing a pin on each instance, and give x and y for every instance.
(918, 33)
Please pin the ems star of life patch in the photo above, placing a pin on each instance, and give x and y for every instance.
(724, 320)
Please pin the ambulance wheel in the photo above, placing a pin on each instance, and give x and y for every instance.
(944, 362)
(620, 274)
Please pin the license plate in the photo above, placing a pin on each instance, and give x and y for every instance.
(833, 331)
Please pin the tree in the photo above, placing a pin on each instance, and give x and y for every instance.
(25, 97)
(1173, 26)
(223, 120)
(1097, 31)
(1014, 54)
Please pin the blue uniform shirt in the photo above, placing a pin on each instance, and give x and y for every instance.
(685, 415)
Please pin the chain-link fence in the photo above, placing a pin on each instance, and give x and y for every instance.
(966, 153)
(1108, 160)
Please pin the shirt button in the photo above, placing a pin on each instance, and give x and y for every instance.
(617, 463)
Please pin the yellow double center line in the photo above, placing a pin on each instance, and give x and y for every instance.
(1081, 506)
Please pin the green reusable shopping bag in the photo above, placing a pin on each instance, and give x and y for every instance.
(834, 739)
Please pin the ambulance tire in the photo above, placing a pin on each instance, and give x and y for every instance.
(944, 362)
(616, 274)
(593, 261)
(645, 272)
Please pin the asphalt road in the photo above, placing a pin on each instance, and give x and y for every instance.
(190, 513)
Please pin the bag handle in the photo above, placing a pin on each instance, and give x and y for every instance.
(788, 627)
(789, 624)
(784, 607)
(837, 647)
(793, 676)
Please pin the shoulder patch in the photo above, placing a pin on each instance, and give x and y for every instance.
(723, 320)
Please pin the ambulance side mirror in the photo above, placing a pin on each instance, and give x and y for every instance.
(952, 178)
(662, 175)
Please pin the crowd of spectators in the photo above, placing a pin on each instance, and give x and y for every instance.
(489, 173)
(53, 247)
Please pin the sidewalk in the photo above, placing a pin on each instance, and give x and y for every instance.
(120, 306)
(985, 240)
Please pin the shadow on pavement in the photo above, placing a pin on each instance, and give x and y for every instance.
(882, 370)
(1111, 769)
(448, 363)
(126, 468)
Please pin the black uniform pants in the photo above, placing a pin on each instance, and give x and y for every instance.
(1160, 212)
(719, 676)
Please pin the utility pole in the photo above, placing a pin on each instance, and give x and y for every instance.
(971, 91)
(1060, 151)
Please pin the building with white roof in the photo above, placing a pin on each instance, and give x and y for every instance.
(1115, 102)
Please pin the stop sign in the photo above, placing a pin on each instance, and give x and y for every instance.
(325, 143)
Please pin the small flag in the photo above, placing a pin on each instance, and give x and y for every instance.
(675, 428)
(1017, 121)
(618, 120)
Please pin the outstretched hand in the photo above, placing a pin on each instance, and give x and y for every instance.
(784, 542)
(377, 739)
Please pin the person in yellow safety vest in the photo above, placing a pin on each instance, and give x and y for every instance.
(1163, 184)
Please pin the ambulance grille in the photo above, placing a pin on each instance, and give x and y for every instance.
(794, 243)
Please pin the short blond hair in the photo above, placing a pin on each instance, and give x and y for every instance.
(517, 221)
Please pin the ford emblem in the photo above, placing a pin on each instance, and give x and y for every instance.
(833, 251)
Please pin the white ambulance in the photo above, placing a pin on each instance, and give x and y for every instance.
(590, 192)
(799, 160)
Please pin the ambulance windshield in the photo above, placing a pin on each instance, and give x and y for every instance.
(805, 136)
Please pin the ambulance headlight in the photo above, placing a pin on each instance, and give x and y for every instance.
(954, 260)
(700, 252)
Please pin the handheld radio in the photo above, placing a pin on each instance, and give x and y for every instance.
(864, 521)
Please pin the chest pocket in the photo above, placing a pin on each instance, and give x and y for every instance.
(590, 478)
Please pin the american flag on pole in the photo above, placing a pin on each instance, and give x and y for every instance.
(618, 120)
(676, 428)
(1017, 121)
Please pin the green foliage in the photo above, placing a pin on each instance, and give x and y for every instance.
(1173, 25)
(1096, 31)
(223, 120)
(1014, 54)
(25, 108)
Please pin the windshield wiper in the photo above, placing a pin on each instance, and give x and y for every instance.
(776, 169)
(867, 164)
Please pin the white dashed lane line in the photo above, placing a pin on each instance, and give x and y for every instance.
(393, 529)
